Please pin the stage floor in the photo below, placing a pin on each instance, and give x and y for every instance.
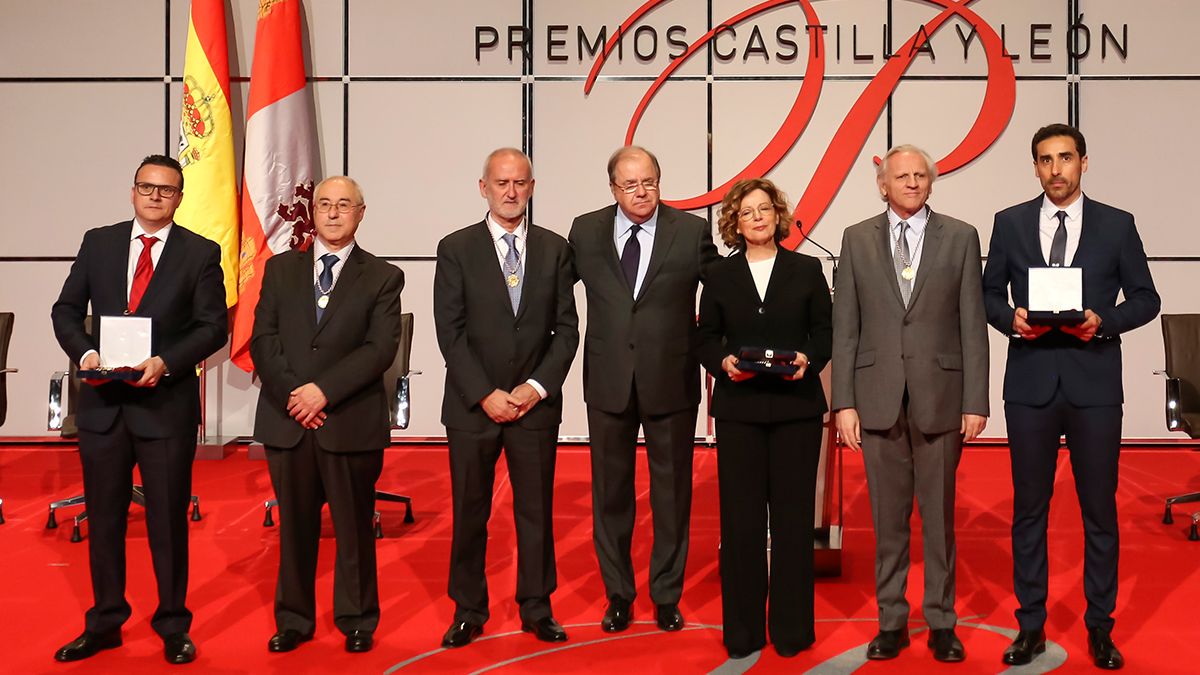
(44, 585)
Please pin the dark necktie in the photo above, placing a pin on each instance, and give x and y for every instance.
(630, 257)
(512, 271)
(1058, 248)
(325, 283)
(902, 259)
(142, 273)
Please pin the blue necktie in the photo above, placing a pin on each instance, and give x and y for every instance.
(1058, 245)
(512, 269)
(631, 255)
(325, 282)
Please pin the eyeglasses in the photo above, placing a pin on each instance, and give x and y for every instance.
(164, 191)
(343, 206)
(649, 185)
(763, 210)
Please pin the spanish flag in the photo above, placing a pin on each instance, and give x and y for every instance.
(210, 197)
(279, 166)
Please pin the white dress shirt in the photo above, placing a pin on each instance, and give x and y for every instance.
(1048, 225)
(761, 271)
(621, 228)
(320, 249)
(916, 234)
(501, 246)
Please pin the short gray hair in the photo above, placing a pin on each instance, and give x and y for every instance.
(347, 179)
(487, 162)
(930, 165)
(625, 151)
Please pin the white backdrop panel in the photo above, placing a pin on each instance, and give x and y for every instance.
(83, 38)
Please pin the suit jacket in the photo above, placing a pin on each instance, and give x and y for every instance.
(937, 347)
(186, 303)
(650, 340)
(795, 314)
(485, 346)
(1113, 259)
(346, 354)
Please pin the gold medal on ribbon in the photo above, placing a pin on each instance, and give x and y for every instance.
(908, 273)
(513, 280)
(323, 301)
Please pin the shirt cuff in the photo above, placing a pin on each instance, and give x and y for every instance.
(537, 387)
(85, 355)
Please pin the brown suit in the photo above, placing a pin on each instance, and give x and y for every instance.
(911, 373)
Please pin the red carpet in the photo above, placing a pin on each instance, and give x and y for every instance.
(44, 586)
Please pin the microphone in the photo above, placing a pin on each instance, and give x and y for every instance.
(832, 258)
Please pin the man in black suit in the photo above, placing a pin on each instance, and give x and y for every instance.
(641, 262)
(145, 267)
(1065, 381)
(326, 328)
(504, 305)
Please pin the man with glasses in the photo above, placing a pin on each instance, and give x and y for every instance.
(326, 329)
(145, 267)
(640, 262)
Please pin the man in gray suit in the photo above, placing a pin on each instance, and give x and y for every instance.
(910, 384)
(640, 262)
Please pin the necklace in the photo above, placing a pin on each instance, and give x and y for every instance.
(908, 273)
(511, 278)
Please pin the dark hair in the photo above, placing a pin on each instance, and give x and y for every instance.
(727, 221)
(1052, 130)
(161, 160)
(626, 151)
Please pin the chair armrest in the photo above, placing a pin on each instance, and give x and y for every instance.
(4, 371)
(1174, 408)
(56, 404)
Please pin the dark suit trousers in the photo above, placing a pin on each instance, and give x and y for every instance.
(305, 478)
(1094, 440)
(670, 444)
(166, 468)
(530, 455)
(902, 462)
(767, 471)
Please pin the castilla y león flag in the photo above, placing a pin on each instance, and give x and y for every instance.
(210, 200)
(279, 170)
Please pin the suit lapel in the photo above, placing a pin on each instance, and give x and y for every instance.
(535, 259)
(664, 234)
(168, 267)
(1087, 233)
(1031, 236)
(346, 282)
(883, 246)
(117, 278)
(483, 250)
(929, 253)
(606, 243)
(784, 267)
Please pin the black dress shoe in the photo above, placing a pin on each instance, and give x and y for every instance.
(545, 629)
(1029, 643)
(617, 616)
(360, 641)
(87, 645)
(740, 654)
(887, 644)
(178, 648)
(668, 617)
(787, 651)
(460, 634)
(946, 646)
(286, 640)
(1102, 650)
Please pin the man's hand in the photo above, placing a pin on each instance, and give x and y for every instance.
(305, 404)
(972, 426)
(1021, 325)
(91, 362)
(317, 422)
(849, 428)
(1086, 330)
(801, 362)
(729, 365)
(502, 406)
(152, 371)
(527, 397)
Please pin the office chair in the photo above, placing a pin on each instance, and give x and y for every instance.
(396, 384)
(6, 327)
(61, 418)
(1181, 342)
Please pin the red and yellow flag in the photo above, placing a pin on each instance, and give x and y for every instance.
(279, 165)
(210, 197)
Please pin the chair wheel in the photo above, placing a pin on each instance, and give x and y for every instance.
(1194, 535)
(1167, 518)
(268, 521)
(1, 516)
(76, 537)
(51, 522)
(196, 510)
(408, 516)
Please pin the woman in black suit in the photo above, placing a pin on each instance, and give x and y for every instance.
(768, 426)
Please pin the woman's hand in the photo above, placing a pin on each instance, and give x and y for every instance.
(801, 363)
(729, 365)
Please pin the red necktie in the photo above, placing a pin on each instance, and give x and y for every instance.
(142, 273)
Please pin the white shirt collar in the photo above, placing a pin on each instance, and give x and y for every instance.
(320, 249)
(1074, 209)
(497, 231)
(138, 230)
(623, 223)
(916, 223)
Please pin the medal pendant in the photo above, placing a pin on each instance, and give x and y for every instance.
(513, 280)
(323, 301)
(907, 273)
